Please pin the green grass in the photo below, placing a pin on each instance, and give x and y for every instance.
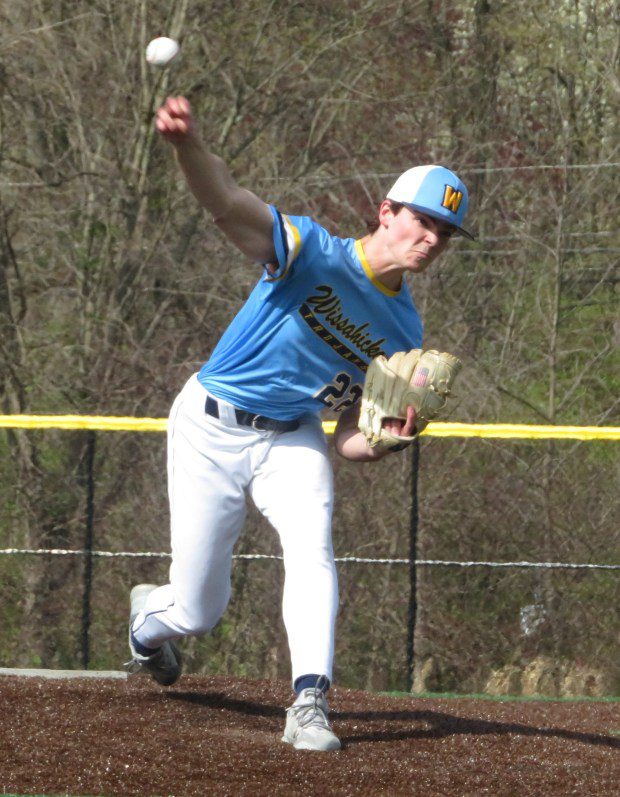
(500, 698)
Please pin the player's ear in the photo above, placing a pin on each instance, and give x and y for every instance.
(386, 213)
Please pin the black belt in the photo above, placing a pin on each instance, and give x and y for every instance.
(259, 422)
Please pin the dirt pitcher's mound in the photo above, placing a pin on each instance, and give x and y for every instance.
(215, 735)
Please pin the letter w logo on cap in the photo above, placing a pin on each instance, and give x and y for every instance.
(452, 199)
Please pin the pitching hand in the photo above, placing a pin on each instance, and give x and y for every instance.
(174, 120)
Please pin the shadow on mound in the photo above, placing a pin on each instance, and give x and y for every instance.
(442, 725)
(219, 700)
(392, 725)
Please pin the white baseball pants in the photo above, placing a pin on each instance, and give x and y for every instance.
(212, 465)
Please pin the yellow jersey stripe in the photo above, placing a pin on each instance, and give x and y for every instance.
(292, 254)
(370, 273)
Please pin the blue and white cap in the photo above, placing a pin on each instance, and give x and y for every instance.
(433, 190)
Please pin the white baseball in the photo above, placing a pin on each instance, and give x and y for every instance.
(161, 51)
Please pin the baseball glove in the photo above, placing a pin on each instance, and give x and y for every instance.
(419, 379)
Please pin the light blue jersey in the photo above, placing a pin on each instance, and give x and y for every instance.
(303, 339)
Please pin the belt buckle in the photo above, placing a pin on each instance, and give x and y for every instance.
(256, 420)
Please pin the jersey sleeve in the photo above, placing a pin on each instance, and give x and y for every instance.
(291, 236)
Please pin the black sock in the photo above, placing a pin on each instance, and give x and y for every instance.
(311, 681)
(142, 649)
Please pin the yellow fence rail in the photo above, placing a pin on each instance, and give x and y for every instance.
(486, 430)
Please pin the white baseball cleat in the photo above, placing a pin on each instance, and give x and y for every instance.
(307, 726)
(165, 665)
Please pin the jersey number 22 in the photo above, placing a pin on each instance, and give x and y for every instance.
(340, 394)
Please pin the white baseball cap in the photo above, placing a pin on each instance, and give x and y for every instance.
(435, 191)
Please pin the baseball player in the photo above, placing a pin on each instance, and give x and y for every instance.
(247, 424)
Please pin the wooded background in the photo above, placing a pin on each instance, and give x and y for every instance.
(114, 288)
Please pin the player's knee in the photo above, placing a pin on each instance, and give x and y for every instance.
(318, 566)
